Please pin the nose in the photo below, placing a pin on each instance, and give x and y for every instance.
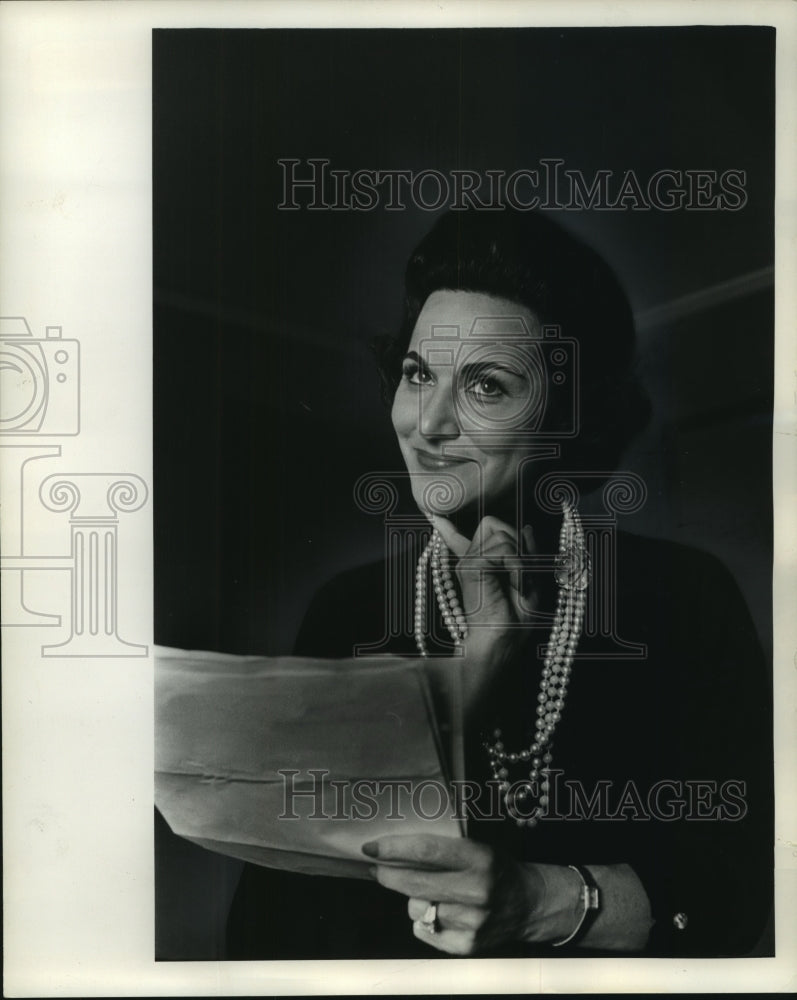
(438, 416)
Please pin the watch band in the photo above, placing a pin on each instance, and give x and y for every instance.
(591, 900)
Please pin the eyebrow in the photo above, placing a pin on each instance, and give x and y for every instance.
(469, 370)
(474, 368)
(414, 356)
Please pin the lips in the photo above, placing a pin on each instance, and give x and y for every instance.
(435, 462)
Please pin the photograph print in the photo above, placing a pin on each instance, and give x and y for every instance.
(463, 367)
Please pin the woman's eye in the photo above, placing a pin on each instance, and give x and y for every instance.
(416, 375)
(487, 387)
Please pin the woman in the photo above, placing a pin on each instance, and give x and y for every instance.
(634, 789)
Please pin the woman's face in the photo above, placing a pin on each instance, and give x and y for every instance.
(471, 393)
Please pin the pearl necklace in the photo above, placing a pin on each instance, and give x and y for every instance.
(572, 573)
(436, 553)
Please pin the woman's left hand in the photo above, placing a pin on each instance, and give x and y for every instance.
(483, 899)
(497, 601)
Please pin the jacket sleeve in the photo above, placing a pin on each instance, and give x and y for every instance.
(709, 872)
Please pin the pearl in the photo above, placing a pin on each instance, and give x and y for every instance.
(572, 577)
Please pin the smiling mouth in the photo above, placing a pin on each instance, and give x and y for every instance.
(432, 462)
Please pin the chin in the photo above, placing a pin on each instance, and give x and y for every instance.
(434, 502)
(465, 517)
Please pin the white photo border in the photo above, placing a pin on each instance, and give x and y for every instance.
(76, 236)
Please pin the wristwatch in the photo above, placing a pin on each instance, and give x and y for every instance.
(591, 900)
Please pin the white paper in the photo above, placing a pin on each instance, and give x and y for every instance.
(295, 763)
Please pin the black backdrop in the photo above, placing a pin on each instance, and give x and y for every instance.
(266, 401)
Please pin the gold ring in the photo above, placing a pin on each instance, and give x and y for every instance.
(429, 919)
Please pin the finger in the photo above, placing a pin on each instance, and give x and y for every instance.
(460, 544)
(490, 526)
(497, 536)
(470, 888)
(493, 551)
(450, 916)
(489, 556)
(500, 552)
(429, 851)
(492, 540)
(453, 942)
(486, 529)
(457, 542)
(513, 565)
(498, 557)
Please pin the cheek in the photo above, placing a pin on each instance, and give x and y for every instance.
(403, 413)
(502, 471)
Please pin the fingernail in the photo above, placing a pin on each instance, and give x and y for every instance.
(371, 848)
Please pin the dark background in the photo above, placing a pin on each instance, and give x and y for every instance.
(267, 406)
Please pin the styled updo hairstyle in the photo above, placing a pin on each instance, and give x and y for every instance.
(526, 257)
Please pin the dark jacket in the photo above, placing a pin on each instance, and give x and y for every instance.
(663, 760)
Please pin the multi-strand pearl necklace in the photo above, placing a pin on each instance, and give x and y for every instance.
(436, 553)
(572, 574)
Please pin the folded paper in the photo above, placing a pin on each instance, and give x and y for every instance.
(295, 763)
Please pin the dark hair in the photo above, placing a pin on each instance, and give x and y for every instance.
(527, 258)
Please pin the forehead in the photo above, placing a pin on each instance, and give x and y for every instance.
(473, 317)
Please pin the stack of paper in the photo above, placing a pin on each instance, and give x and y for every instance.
(295, 763)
